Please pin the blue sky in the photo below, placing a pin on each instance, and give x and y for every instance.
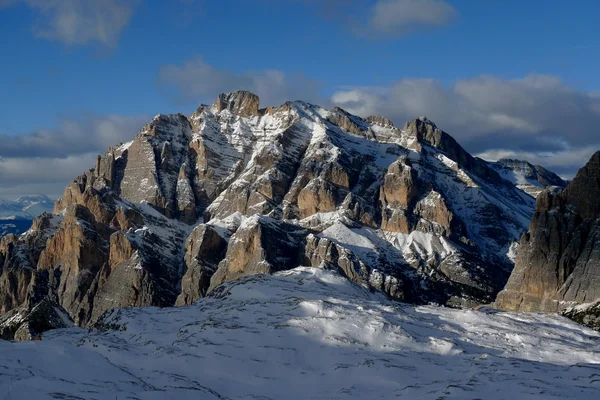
(515, 78)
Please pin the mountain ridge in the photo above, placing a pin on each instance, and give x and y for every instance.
(237, 190)
(17, 216)
(532, 179)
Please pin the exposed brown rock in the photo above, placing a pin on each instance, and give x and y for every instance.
(398, 193)
(260, 246)
(317, 196)
(346, 121)
(380, 120)
(242, 103)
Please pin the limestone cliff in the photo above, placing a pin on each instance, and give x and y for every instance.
(558, 263)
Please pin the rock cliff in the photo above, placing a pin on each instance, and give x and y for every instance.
(558, 263)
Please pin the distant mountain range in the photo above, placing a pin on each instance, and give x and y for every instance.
(17, 216)
(533, 179)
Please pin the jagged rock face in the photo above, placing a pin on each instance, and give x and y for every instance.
(205, 248)
(558, 264)
(532, 179)
(261, 245)
(426, 131)
(242, 103)
(237, 190)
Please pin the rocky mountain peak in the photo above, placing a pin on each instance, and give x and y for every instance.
(424, 129)
(241, 103)
(427, 132)
(534, 172)
(380, 120)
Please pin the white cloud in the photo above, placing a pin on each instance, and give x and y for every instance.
(73, 136)
(77, 22)
(400, 17)
(385, 18)
(196, 80)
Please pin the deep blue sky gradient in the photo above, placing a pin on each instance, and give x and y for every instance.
(42, 80)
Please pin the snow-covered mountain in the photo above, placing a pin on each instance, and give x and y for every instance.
(533, 179)
(237, 190)
(307, 333)
(26, 207)
(16, 216)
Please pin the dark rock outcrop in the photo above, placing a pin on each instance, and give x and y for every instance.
(558, 263)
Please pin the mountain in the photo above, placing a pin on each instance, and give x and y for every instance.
(16, 216)
(27, 207)
(533, 179)
(237, 190)
(14, 225)
(558, 263)
(306, 333)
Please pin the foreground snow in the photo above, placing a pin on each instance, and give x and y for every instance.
(307, 333)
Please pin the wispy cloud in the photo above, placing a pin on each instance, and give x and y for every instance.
(401, 17)
(386, 18)
(79, 22)
(195, 81)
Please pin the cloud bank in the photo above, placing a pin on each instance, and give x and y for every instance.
(538, 118)
(44, 162)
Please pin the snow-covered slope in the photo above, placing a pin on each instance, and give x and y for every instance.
(532, 179)
(307, 334)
